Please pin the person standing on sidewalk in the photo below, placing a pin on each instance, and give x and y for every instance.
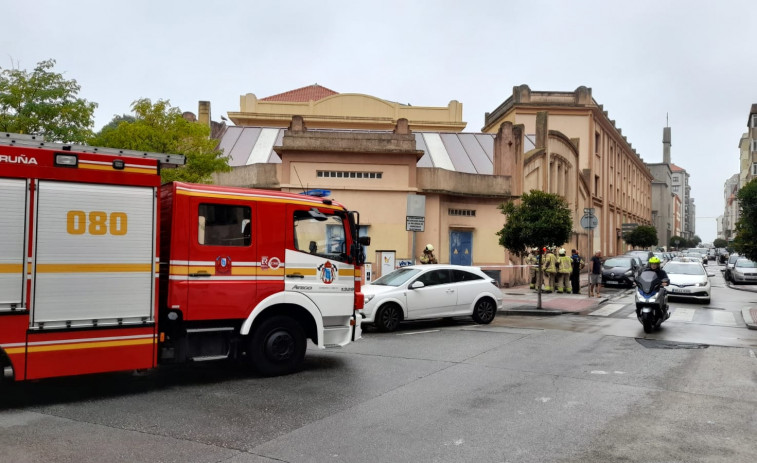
(595, 274)
(550, 270)
(563, 277)
(577, 264)
(532, 262)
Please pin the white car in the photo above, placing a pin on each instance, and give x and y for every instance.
(744, 271)
(430, 291)
(688, 279)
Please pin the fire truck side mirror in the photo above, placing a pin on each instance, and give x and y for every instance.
(364, 240)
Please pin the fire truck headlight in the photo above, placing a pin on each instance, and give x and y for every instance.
(66, 160)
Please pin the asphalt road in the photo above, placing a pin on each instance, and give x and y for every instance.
(512, 391)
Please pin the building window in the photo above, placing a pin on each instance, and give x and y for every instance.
(675, 179)
(675, 188)
(347, 174)
(754, 121)
(462, 212)
(754, 168)
(754, 145)
(224, 225)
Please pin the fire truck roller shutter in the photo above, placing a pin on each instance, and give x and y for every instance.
(12, 255)
(95, 254)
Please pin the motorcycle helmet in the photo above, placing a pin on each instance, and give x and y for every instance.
(429, 248)
(562, 251)
(654, 260)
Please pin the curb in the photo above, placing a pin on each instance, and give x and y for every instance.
(534, 311)
(751, 323)
(740, 288)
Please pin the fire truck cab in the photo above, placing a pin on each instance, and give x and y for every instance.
(103, 269)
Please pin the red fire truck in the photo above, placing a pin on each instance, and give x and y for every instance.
(102, 268)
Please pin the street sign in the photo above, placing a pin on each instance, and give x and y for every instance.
(629, 227)
(589, 221)
(589, 210)
(415, 223)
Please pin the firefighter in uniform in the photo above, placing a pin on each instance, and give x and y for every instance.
(428, 256)
(564, 269)
(532, 261)
(550, 270)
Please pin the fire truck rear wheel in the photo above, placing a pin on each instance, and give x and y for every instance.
(277, 347)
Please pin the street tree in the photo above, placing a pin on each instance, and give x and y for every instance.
(679, 242)
(719, 243)
(42, 102)
(161, 128)
(695, 240)
(746, 228)
(642, 236)
(540, 219)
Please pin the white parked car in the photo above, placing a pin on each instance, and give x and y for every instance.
(431, 291)
(744, 271)
(688, 279)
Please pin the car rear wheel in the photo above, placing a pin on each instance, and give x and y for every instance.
(388, 318)
(484, 311)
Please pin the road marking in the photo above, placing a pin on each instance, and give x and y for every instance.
(607, 310)
(751, 354)
(682, 315)
(417, 332)
(723, 318)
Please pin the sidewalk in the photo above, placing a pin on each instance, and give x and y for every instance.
(520, 300)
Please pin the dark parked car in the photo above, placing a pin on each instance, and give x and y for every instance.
(620, 271)
(729, 265)
(643, 255)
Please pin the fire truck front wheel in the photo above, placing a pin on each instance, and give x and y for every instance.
(277, 346)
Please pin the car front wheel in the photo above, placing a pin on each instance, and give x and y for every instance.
(484, 311)
(388, 318)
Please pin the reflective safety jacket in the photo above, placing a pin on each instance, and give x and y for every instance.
(565, 264)
(550, 263)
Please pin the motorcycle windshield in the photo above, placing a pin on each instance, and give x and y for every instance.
(648, 281)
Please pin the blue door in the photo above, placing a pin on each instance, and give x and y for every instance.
(461, 248)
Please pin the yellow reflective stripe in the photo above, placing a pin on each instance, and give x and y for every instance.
(348, 272)
(255, 198)
(134, 170)
(81, 345)
(93, 268)
(11, 268)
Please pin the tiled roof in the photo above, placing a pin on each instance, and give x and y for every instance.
(675, 168)
(300, 95)
(461, 152)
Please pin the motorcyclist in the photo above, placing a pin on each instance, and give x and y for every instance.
(654, 266)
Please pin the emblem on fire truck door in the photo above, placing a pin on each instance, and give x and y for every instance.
(223, 264)
(328, 272)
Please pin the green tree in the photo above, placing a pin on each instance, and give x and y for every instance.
(719, 243)
(42, 102)
(679, 242)
(695, 240)
(746, 228)
(159, 127)
(541, 219)
(642, 236)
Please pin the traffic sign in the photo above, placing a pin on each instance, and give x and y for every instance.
(589, 221)
(415, 223)
(589, 210)
(629, 227)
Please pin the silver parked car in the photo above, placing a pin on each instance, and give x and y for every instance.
(688, 279)
(430, 291)
(744, 271)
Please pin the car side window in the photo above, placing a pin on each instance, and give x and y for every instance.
(462, 275)
(434, 277)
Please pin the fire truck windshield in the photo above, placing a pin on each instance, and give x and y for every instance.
(324, 238)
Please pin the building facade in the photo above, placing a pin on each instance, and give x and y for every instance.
(682, 189)
(748, 149)
(663, 208)
(731, 210)
(620, 184)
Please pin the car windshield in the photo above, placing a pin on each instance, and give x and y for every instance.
(733, 259)
(746, 263)
(397, 277)
(618, 262)
(683, 269)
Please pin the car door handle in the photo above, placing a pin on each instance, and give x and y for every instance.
(295, 275)
(450, 290)
(200, 274)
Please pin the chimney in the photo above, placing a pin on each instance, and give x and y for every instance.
(204, 113)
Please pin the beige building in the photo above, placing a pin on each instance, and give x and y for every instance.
(620, 184)
(323, 108)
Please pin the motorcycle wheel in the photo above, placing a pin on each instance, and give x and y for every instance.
(648, 325)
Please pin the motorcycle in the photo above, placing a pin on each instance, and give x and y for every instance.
(651, 300)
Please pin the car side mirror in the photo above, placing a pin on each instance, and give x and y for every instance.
(417, 284)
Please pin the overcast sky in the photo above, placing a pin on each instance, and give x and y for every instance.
(695, 60)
